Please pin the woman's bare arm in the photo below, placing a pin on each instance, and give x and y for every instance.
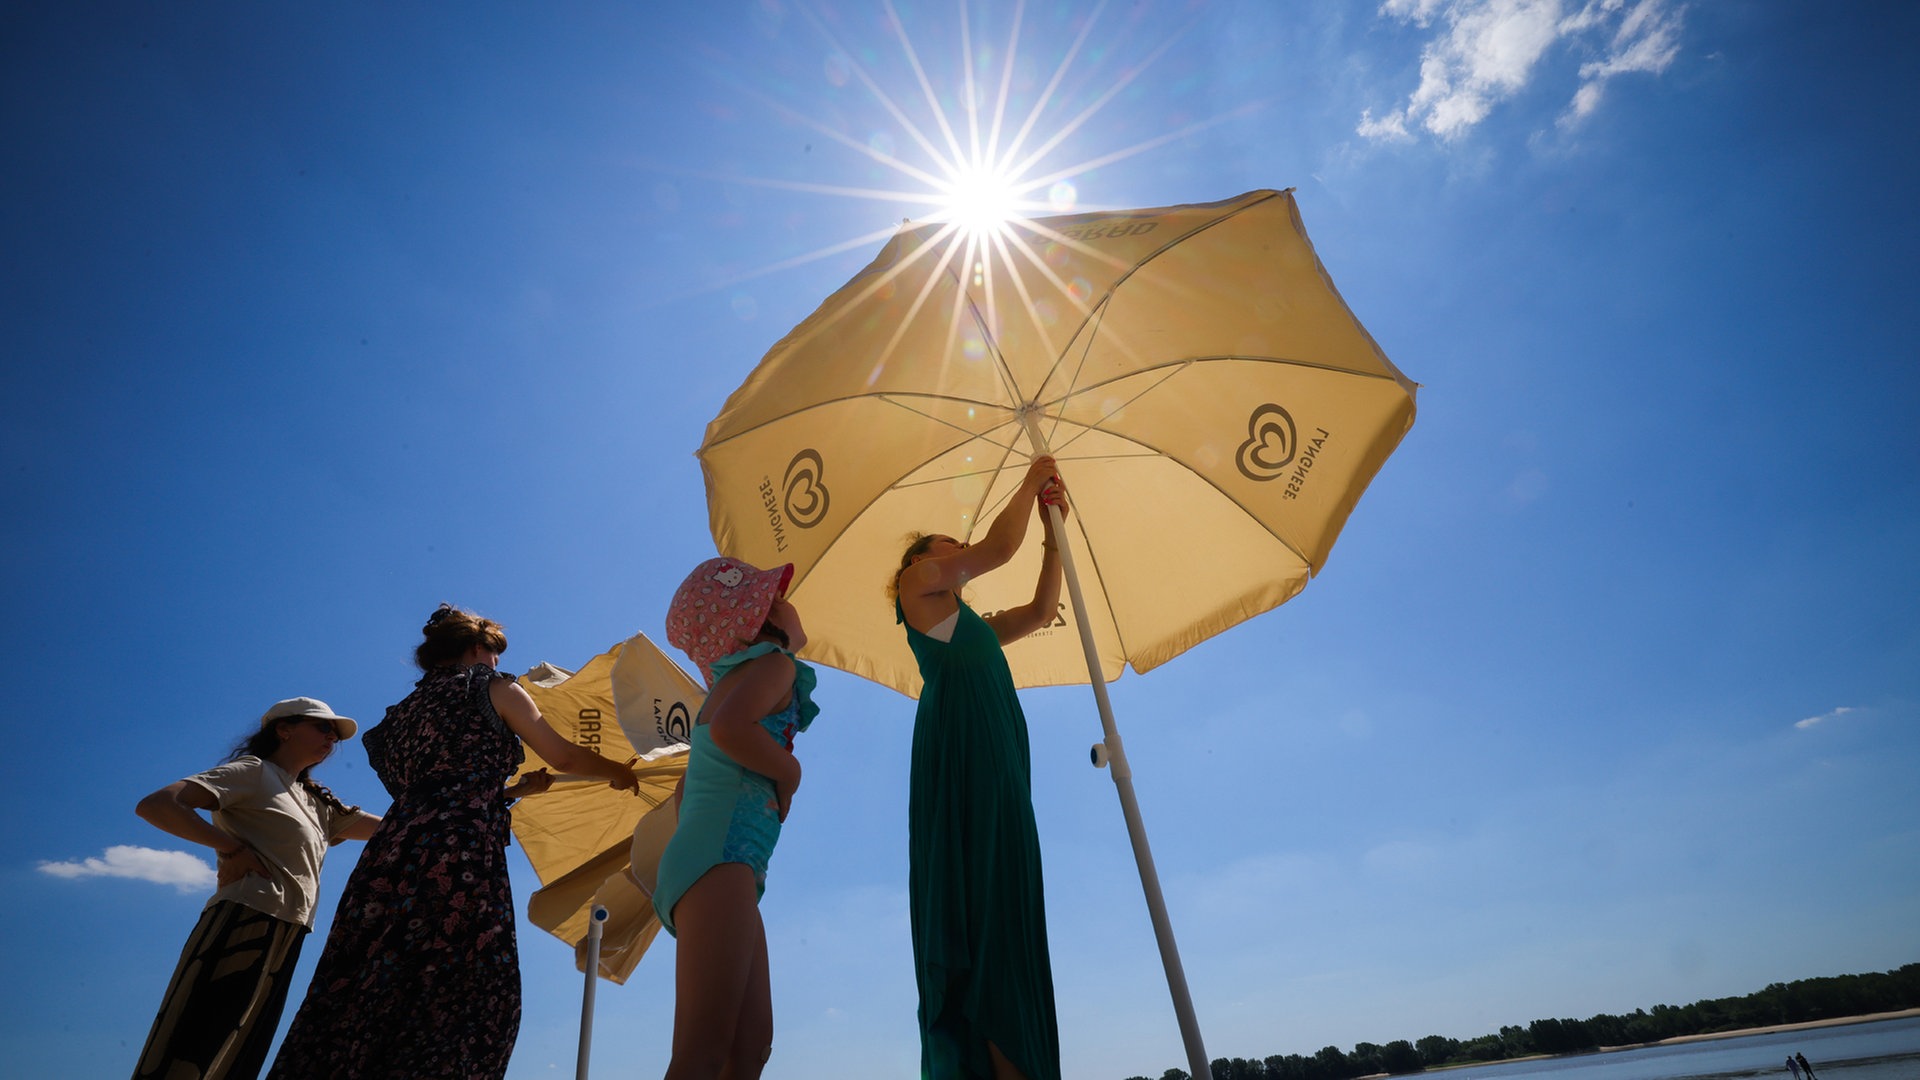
(1015, 623)
(516, 707)
(949, 573)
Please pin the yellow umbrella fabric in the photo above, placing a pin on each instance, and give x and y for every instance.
(579, 835)
(1215, 406)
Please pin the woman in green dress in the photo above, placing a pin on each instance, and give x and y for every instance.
(974, 885)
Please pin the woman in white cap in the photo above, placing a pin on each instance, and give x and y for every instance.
(271, 827)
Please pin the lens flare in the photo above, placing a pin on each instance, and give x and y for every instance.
(980, 199)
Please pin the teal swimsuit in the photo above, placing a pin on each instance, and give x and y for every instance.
(729, 813)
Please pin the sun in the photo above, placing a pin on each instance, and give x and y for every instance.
(979, 154)
(979, 199)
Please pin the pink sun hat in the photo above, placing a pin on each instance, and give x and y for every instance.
(720, 608)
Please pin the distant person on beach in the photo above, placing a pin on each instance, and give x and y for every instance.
(1793, 1067)
(974, 881)
(734, 621)
(420, 977)
(271, 827)
(1805, 1067)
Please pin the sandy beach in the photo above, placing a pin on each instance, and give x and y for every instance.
(1837, 1021)
(1834, 1022)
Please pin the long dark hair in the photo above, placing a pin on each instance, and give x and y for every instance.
(450, 632)
(262, 744)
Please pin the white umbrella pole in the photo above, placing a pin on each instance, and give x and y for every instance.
(595, 923)
(1129, 805)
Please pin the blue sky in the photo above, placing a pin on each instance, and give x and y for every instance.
(1609, 695)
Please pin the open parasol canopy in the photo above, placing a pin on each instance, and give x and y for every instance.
(1215, 407)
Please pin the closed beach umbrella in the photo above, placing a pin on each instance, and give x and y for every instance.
(1215, 408)
(579, 834)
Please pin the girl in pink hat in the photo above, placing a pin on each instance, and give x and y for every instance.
(734, 621)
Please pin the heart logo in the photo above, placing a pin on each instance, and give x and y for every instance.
(678, 725)
(1271, 442)
(806, 492)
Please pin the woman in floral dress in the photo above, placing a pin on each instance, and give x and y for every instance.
(420, 977)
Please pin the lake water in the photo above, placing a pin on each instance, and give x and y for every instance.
(1881, 1050)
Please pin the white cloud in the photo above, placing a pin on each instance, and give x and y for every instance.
(1392, 126)
(1648, 41)
(176, 868)
(1823, 717)
(1488, 51)
(1416, 11)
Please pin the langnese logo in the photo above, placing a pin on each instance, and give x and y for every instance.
(800, 500)
(1271, 443)
(676, 726)
(806, 490)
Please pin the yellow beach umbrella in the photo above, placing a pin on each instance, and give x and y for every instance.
(1215, 407)
(580, 834)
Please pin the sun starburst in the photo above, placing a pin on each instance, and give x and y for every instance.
(977, 150)
(978, 198)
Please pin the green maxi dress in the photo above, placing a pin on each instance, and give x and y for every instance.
(974, 887)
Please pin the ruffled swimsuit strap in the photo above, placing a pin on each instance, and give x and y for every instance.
(804, 677)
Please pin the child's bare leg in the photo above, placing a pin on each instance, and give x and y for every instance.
(753, 1033)
(719, 939)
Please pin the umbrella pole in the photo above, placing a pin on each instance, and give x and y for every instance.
(1122, 774)
(595, 923)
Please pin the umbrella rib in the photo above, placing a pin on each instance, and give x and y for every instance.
(982, 323)
(1170, 371)
(892, 397)
(999, 240)
(947, 478)
(1152, 451)
(1026, 303)
(1171, 368)
(1219, 358)
(887, 277)
(919, 301)
(1095, 312)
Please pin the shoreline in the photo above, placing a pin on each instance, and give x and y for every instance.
(1769, 1029)
(1836, 1021)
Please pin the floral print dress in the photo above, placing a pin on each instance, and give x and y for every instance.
(420, 977)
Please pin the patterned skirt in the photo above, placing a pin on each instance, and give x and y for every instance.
(224, 1003)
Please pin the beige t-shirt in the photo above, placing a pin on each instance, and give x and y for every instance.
(288, 826)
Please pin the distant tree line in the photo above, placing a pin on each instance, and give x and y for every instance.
(1832, 998)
